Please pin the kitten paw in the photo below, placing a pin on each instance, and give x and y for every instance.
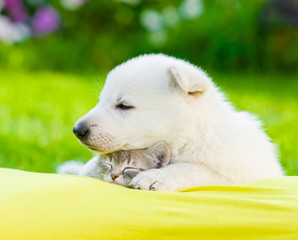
(153, 180)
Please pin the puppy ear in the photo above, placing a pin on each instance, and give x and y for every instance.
(159, 154)
(190, 80)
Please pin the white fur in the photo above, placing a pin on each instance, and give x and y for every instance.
(70, 167)
(90, 169)
(176, 102)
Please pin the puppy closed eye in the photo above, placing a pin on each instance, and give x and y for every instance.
(124, 106)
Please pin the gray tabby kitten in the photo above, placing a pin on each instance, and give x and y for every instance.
(120, 167)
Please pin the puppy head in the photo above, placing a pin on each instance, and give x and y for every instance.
(145, 100)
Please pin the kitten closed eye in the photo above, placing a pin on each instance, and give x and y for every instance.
(105, 167)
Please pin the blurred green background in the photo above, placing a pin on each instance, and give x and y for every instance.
(54, 56)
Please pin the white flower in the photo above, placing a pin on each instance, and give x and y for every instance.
(72, 4)
(158, 39)
(152, 20)
(11, 32)
(171, 16)
(191, 9)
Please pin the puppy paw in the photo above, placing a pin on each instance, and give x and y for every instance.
(154, 180)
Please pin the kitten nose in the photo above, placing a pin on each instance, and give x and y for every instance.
(114, 176)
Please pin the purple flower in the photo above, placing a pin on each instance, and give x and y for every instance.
(45, 20)
(16, 10)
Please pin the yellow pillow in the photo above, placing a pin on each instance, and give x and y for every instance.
(50, 206)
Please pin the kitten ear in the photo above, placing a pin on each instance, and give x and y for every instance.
(190, 79)
(160, 154)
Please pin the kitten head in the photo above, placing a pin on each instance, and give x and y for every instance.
(120, 167)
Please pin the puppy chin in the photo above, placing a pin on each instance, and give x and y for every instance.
(105, 150)
(100, 151)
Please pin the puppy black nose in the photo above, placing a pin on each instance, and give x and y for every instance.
(81, 130)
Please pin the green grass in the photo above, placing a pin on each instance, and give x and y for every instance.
(38, 111)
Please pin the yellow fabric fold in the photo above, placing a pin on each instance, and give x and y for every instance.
(63, 207)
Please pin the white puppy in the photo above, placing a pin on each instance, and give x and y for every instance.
(155, 98)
